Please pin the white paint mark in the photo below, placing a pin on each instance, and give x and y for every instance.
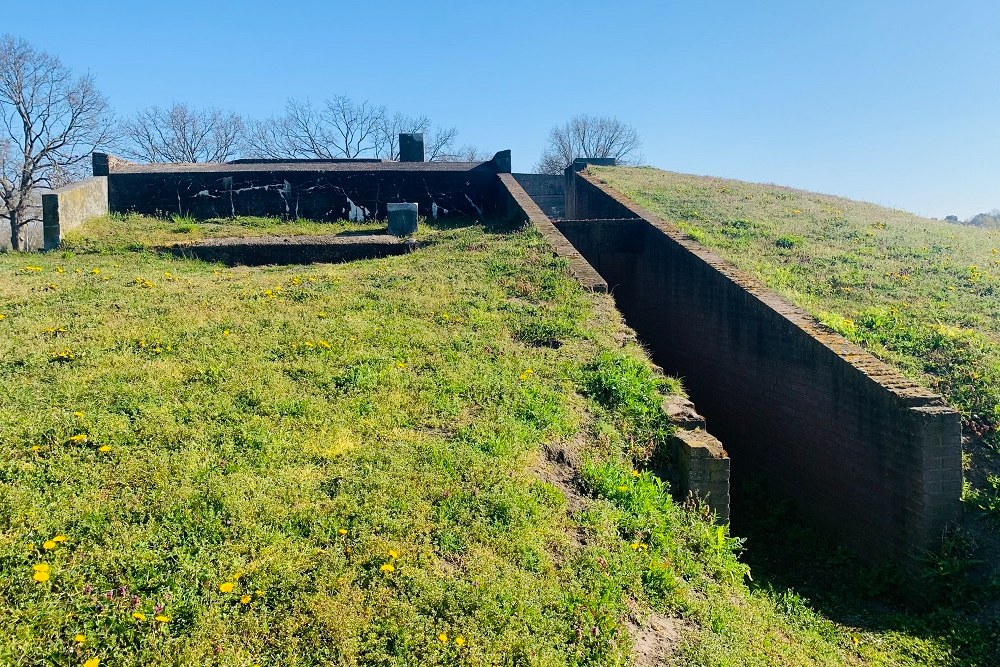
(478, 210)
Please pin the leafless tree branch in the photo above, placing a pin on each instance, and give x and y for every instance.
(589, 136)
(50, 120)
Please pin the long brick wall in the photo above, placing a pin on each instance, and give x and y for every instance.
(870, 455)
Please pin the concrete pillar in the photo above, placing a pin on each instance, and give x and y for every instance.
(411, 147)
(402, 219)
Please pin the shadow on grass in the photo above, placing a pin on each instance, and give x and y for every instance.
(940, 603)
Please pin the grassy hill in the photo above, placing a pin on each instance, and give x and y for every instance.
(440, 458)
(919, 293)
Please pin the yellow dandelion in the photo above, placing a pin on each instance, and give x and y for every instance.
(342, 531)
(245, 599)
(79, 437)
(236, 577)
(323, 344)
(161, 618)
(40, 576)
(400, 364)
(623, 488)
(79, 639)
(78, 415)
(50, 544)
(226, 587)
(95, 271)
(259, 593)
(635, 546)
(226, 332)
(92, 662)
(393, 553)
(40, 567)
(388, 567)
(459, 640)
(104, 448)
(635, 473)
(59, 538)
(138, 615)
(35, 448)
(443, 638)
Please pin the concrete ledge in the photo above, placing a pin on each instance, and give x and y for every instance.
(520, 205)
(70, 206)
(700, 463)
(263, 250)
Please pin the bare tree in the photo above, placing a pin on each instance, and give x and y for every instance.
(390, 127)
(340, 128)
(183, 134)
(589, 136)
(50, 123)
(343, 128)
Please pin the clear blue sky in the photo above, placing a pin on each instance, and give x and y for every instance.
(896, 102)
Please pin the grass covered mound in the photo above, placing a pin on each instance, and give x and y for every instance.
(921, 294)
(346, 464)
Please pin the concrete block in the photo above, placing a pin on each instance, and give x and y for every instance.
(402, 219)
(411, 147)
(70, 206)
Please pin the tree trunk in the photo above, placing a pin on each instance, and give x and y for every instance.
(18, 232)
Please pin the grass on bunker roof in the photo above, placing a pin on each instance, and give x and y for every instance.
(345, 464)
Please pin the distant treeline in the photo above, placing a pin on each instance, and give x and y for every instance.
(989, 220)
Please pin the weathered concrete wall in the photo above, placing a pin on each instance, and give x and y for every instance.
(865, 452)
(519, 206)
(701, 465)
(330, 191)
(546, 190)
(70, 206)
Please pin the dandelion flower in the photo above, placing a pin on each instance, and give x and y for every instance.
(623, 488)
(138, 615)
(459, 640)
(393, 553)
(161, 618)
(226, 587)
(342, 531)
(79, 437)
(443, 638)
(92, 662)
(40, 567)
(245, 599)
(400, 364)
(35, 448)
(635, 473)
(78, 415)
(79, 639)
(226, 332)
(388, 567)
(104, 448)
(59, 538)
(41, 572)
(50, 544)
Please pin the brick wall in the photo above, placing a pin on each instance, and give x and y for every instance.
(863, 451)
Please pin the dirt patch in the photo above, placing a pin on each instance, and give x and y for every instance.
(657, 638)
(559, 466)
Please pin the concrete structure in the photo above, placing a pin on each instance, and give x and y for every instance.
(411, 147)
(546, 190)
(865, 452)
(262, 250)
(402, 219)
(70, 206)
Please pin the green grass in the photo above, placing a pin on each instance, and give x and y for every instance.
(921, 294)
(344, 464)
